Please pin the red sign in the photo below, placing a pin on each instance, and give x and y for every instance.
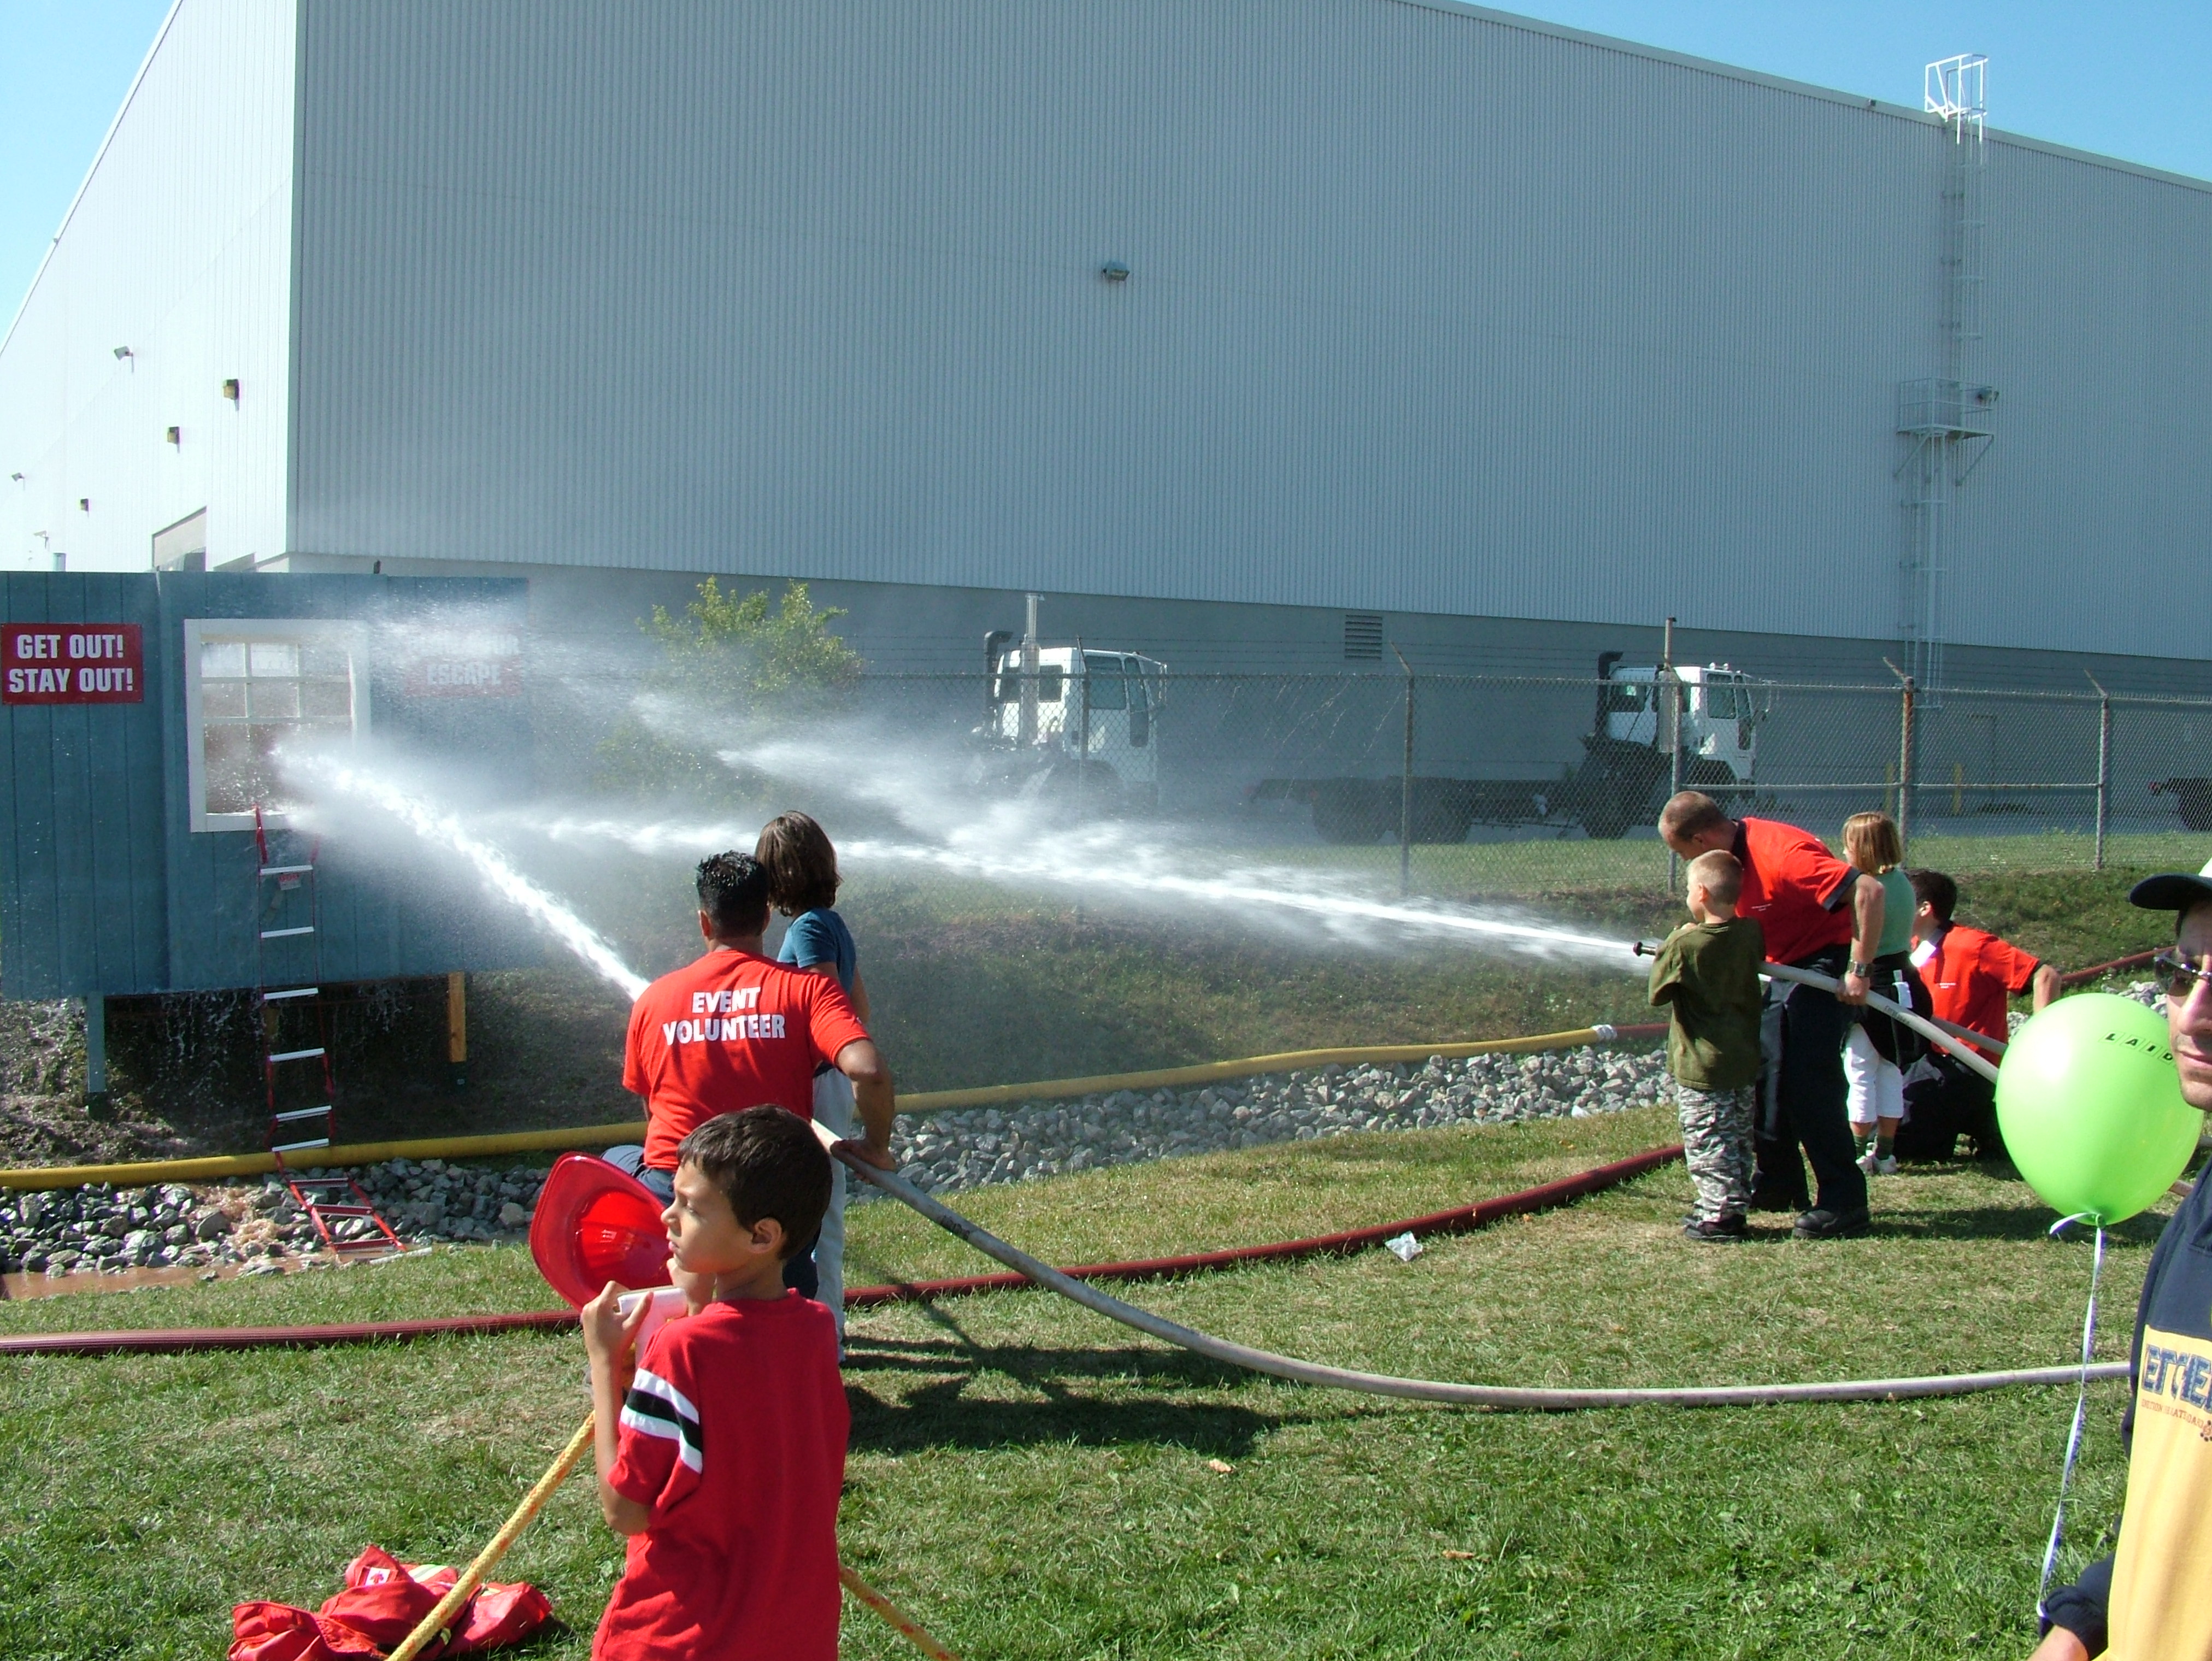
(71, 663)
(466, 664)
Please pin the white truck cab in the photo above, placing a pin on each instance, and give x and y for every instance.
(1081, 704)
(1721, 708)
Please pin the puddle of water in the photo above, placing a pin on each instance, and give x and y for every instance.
(16, 1287)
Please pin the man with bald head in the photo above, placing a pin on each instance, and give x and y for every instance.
(2152, 1597)
(1817, 913)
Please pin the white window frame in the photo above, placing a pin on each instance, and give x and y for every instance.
(351, 638)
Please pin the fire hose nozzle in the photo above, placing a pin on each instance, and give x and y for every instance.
(1645, 948)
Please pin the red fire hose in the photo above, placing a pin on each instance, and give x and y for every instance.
(1459, 1220)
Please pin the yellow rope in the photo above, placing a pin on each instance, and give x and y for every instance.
(213, 1167)
(434, 1624)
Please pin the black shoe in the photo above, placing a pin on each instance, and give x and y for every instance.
(1822, 1225)
(1713, 1228)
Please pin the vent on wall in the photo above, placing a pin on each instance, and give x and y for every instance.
(1363, 636)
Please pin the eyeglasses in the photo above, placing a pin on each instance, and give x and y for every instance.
(2182, 977)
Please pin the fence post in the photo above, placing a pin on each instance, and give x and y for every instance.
(1406, 789)
(1904, 747)
(2104, 766)
(1668, 727)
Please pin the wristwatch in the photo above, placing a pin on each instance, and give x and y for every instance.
(1863, 971)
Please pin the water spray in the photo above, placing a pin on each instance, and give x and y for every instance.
(491, 864)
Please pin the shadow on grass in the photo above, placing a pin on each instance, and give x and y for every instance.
(941, 1414)
(937, 1416)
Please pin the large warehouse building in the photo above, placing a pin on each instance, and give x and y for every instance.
(1229, 324)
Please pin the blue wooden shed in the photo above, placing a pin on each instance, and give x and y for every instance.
(142, 720)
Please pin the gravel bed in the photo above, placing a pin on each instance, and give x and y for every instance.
(254, 1223)
(947, 1152)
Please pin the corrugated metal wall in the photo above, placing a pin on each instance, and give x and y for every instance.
(178, 247)
(1429, 311)
(104, 886)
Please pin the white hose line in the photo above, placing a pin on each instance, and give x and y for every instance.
(1458, 1395)
(1920, 1024)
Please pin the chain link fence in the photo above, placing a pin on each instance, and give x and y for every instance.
(1474, 787)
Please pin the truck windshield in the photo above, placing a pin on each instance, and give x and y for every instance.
(1627, 697)
(1108, 690)
(1048, 679)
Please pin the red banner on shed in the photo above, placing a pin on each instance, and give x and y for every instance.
(71, 663)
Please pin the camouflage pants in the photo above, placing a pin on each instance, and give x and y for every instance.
(1716, 1146)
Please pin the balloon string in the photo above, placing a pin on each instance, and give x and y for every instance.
(2081, 1412)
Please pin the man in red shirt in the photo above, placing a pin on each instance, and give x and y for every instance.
(736, 1030)
(1971, 978)
(1817, 913)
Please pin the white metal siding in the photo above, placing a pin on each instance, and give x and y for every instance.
(179, 246)
(1431, 311)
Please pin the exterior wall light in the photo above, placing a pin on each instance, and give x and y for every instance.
(84, 504)
(230, 389)
(175, 435)
(123, 352)
(1113, 271)
(15, 478)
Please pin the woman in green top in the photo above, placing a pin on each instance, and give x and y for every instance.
(1879, 1050)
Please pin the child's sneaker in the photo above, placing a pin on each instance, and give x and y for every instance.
(1869, 1160)
(1884, 1166)
(1714, 1228)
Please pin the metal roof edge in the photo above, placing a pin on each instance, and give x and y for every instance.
(99, 156)
(1782, 83)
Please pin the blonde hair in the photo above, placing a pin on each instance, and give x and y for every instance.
(1870, 843)
(1719, 873)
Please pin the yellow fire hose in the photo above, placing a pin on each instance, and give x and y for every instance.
(435, 1623)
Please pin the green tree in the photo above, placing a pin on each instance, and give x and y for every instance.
(738, 667)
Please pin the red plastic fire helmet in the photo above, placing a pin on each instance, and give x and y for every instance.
(595, 1224)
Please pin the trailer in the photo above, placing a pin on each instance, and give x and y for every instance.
(1621, 778)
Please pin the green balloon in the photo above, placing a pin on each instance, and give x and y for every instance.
(2091, 1107)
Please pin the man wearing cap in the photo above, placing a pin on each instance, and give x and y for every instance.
(2152, 1599)
(1817, 913)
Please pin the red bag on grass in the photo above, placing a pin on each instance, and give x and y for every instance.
(277, 1632)
(383, 1600)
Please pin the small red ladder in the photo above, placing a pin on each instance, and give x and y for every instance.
(335, 1204)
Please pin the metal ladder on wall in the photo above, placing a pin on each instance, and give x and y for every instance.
(337, 1206)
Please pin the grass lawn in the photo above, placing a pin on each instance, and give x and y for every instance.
(1032, 1480)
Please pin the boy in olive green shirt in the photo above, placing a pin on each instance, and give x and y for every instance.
(1707, 975)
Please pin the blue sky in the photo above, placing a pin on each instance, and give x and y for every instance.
(2126, 77)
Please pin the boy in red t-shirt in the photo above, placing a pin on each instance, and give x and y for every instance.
(735, 1029)
(721, 1451)
(1972, 979)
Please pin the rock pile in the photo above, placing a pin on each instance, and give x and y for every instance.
(255, 1224)
(76, 1231)
(951, 1151)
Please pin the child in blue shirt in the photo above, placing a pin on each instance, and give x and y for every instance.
(802, 884)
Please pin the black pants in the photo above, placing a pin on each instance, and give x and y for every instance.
(1802, 1102)
(1943, 1101)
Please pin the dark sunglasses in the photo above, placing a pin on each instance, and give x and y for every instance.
(2182, 977)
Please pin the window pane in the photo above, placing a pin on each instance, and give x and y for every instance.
(222, 658)
(322, 662)
(1720, 702)
(1106, 686)
(222, 700)
(231, 773)
(275, 701)
(272, 657)
(1048, 683)
(327, 703)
